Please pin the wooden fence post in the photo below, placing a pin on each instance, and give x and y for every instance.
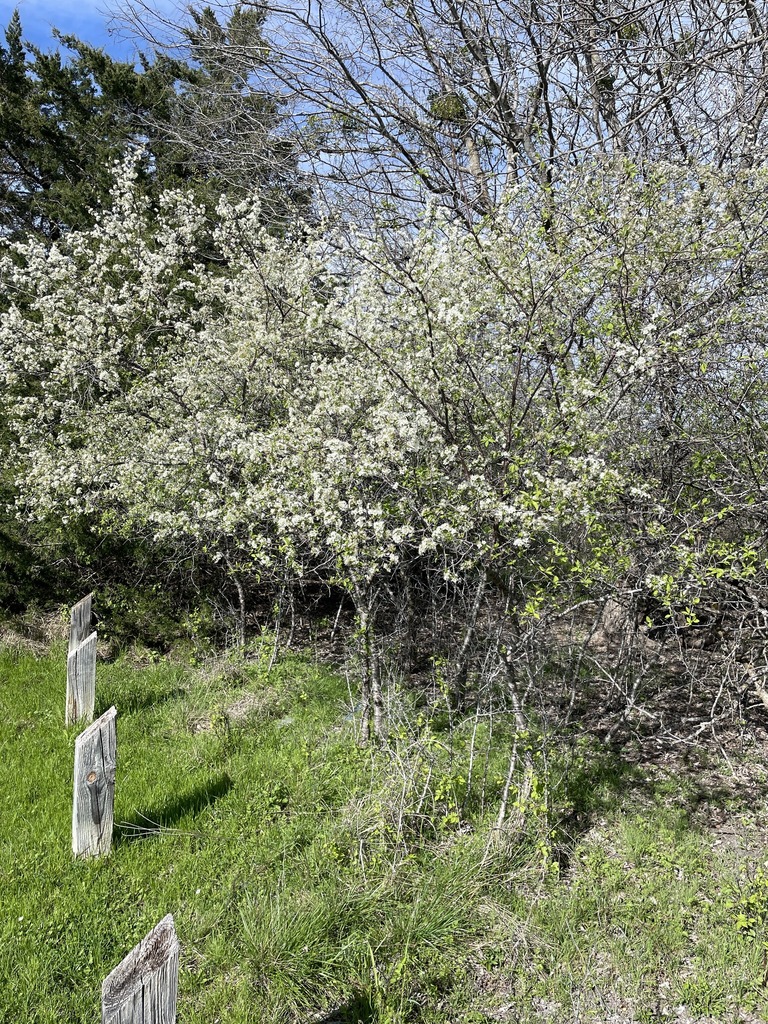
(142, 988)
(81, 682)
(94, 791)
(80, 625)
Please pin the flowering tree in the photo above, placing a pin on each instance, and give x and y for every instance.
(402, 99)
(530, 413)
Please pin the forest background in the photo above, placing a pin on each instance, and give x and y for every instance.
(435, 332)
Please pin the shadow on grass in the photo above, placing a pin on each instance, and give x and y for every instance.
(357, 1010)
(599, 782)
(598, 777)
(139, 700)
(155, 821)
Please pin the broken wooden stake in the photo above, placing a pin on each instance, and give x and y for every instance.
(81, 682)
(94, 791)
(80, 625)
(142, 988)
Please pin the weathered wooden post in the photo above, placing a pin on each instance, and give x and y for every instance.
(142, 989)
(94, 792)
(80, 625)
(81, 682)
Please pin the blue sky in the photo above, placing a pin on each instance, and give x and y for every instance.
(87, 19)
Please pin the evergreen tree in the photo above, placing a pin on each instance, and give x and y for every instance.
(64, 120)
(224, 126)
(68, 115)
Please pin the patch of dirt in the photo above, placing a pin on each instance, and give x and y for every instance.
(246, 705)
(266, 703)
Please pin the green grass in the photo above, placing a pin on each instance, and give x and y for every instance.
(644, 921)
(264, 833)
(307, 876)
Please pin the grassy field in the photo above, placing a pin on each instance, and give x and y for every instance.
(312, 880)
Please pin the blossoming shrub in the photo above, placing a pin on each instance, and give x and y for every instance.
(530, 415)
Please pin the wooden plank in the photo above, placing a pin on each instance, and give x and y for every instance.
(94, 790)
(142, 988)
(81, 682)
(80, 624)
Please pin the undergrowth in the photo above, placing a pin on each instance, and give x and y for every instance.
(312, 879)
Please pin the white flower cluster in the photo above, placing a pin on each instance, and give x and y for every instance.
(473, 401)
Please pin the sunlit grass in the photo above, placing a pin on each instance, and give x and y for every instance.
(233, 810)
(309, 876)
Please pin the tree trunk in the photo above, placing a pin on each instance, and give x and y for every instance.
(509, 824)
(240, 605)
(461, 665)
(365, 680)
(370, 686)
